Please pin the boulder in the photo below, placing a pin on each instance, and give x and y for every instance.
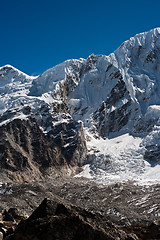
(55, 220)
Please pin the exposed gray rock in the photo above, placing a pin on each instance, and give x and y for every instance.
(53, 220)
(69, 136)
(152, 154)
(110, 118)
(25, 147)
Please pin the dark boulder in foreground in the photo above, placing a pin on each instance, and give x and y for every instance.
(53, 220)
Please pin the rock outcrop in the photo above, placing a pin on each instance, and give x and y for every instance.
(113, 115)
(26, 152)
(54, 220)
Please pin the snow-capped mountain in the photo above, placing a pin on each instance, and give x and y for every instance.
(114, 101)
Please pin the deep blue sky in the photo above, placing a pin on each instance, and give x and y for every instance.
(36, 35)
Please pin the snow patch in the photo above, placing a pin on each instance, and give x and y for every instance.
(86, 172)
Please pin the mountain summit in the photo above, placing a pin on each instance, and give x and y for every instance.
(100, 114)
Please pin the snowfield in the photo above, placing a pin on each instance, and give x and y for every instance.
(126, 162)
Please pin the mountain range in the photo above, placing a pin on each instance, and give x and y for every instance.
(97, 117)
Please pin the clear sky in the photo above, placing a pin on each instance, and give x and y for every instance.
(38, 34)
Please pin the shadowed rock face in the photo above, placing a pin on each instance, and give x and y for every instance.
(25, 147)
(53, 220)
(70, 138)
(152, 154)
(108, 117)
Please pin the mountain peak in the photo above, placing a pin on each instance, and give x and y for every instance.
(9, 68)
(147, 40)
(116, 97)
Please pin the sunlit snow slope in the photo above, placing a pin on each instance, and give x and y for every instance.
(116, 97)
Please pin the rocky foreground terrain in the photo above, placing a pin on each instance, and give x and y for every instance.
(86, 210)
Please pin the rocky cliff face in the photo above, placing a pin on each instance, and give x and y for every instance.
(109, 118)
(27, 153)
